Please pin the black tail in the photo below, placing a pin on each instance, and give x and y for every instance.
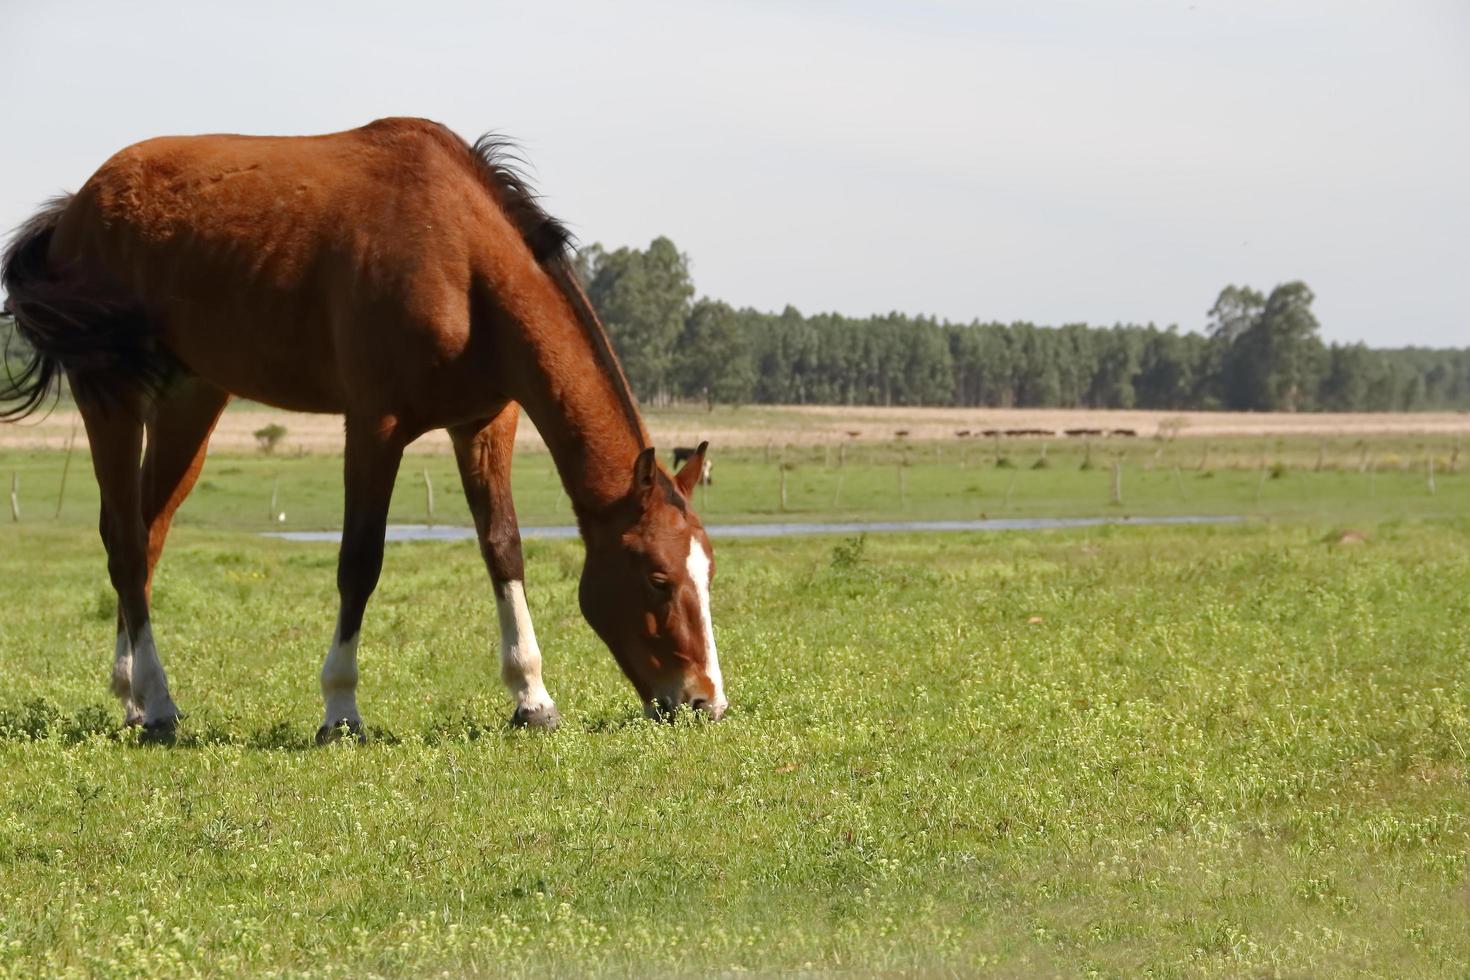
(64, 326)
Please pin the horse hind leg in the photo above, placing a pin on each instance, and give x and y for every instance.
(121, 682)
(178, 435)
(122, 670)
(115, 432)
(178, 429)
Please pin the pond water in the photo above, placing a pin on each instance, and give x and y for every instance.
(445, 532)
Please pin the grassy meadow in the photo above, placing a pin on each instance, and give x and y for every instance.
(1118, 751)
(1290, 477)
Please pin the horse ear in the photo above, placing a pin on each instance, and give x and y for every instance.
(644, 468)
(691, 471)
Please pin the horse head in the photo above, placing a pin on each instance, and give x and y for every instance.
(645, 589)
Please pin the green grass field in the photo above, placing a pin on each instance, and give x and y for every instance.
(1224, 751)
(1279, 478)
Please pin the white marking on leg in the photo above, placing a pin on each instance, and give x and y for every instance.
(122, 678)
(339, 681)
(699, 574)
(520, 656)
(149, 684)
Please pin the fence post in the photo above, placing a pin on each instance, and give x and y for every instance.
(15, 498)
(781, 468)
(65, 465)
(429, 496)
(1431, 473)
(1118, 482)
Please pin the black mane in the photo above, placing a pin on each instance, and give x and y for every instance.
(502, 168)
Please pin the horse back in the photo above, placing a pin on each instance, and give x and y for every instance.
(301, 271)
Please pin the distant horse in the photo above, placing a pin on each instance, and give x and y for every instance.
(682, 456)
(400, 277)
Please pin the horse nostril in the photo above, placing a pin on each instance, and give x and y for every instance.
(699, 704)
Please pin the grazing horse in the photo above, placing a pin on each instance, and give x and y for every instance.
(404, 279)
(682, 456)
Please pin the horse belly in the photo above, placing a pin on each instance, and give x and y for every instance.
(284, 363)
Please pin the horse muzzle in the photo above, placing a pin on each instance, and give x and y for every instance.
(667, 708)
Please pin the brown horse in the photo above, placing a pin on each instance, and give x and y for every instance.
(400, 277)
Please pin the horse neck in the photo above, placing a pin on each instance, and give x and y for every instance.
(574, 391)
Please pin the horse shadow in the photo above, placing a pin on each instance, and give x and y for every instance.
(40, 720)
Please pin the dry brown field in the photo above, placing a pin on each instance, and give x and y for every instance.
(815, 424)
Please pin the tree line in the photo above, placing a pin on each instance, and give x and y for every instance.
(1259, 351)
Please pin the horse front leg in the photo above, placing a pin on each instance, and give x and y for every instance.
(373, 452)
(483, 451)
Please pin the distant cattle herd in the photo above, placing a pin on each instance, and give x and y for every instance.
(683, 453)
(1076, 433)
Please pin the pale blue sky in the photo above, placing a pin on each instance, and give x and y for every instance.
(1087, 160)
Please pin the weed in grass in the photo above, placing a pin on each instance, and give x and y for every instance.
(849, 553)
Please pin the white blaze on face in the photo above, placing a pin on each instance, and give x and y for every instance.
(699, 573)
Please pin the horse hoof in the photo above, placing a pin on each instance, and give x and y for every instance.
(327, 734)
(160, 732)
(545, 717)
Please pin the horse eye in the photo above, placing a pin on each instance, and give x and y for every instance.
(660, 582)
